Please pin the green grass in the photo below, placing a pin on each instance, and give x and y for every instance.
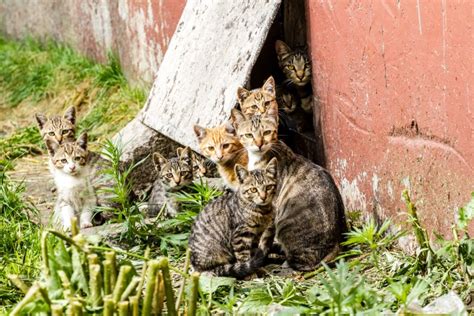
(19, 249)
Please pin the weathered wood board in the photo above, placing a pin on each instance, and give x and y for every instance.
(211, 53)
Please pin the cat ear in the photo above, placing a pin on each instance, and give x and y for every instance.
(179, 150)
(269, 86)
(185, 153)
(70, 114)
(271, 167)
(242, 94)
(41, 119)
(200, 132)
(52, 147)
(282, 49)
(82, 141)
(241, 172)
(237, 117)
(229, 128)
(158, 160)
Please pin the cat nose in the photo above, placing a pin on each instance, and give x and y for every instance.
(258, 142)
(73, 167)
(263, 195)
(58, 138)
(177, 180)
(300, 75)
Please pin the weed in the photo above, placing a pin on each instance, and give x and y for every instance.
(24, 141)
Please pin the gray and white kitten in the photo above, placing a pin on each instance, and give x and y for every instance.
(70, 167)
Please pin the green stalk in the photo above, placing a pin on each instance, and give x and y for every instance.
(121, 282)
(56, 310)
(109, 306)
(168, 287)
(74, 226)
(93, 259)
(158, 295)
(130, 288)
(44, 294)
(123, 308)
(134, 305)
(34, 289)
(15, 279)
(112, 257)
(95, 285)
(107, 273)
(76, 308)
(143, 275)
(152, 270)
(66, 284)
(192, 301)
(44, 253)
(183, 283)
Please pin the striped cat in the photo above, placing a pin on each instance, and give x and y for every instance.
(257, 101)
(309, 218)
(56, 128)
(296, 67)
(70, 166)
(221, 146)
(173, 175)
(234, 233)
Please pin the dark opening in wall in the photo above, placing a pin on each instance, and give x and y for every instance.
(298, 127)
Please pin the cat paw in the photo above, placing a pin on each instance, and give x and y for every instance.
(86, 225)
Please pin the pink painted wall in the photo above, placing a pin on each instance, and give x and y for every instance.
(137, 30)
(394, 83)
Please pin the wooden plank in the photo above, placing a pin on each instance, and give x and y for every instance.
(211, 53)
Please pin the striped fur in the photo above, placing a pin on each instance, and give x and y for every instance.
(257, 101)
(56, 128)
(234, 233)
(310, 218)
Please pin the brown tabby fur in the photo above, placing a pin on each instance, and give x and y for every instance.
(259, 100)
(56, 128)
(309, 210)
(221, 145)
(234, 233)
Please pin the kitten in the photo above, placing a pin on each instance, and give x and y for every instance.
(296, 66)
(69, 165)
(257, 101)
(310, 219)
(234, 233)
(173, 175)
(221, 146)
(56, 128)
(199, 164)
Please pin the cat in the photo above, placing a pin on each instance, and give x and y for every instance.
(296, 67)
(221, 146)
(70, 167)
(257, 101)
(234, 233)
(200, 168)
(173, 175)
(310, 219)
(56, 128)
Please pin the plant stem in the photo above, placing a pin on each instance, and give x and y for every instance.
(121, 282)
(123, 308)
(134, 305)
(34, 289)
(130, 288)
(95, 285)
(192, 301)
(111, 256)
(109, 306)
(183, 283)
(150, 287)
(15, 279)
(168, 287)
(158, 295)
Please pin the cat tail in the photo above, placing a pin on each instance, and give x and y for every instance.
(240, 270)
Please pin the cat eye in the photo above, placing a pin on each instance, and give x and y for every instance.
(267, 132)
(248, 135)
(253, 190)
(169, 175)
(64, 160)
(267, 103)
(77, 158)
(254, 106)
(226, 146)
(270, 187)
(183, 173)
(51, 133)
(291, 67)
(66, 131)
(195, 167)
(210, 148)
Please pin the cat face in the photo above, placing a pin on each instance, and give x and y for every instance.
(71, 157)
(295, 64)
(259, 132)
(258, 186)
(58, 129)
(259, 100)
(199, 164)
(219, 144)
(175, 172)
(287, 101)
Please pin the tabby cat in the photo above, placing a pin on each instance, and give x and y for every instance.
(173, 174)
(296, 66)
(257, 101)
(69, 164)
(56, 128)
(234, 233)
(309, 218)
(222, 146)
